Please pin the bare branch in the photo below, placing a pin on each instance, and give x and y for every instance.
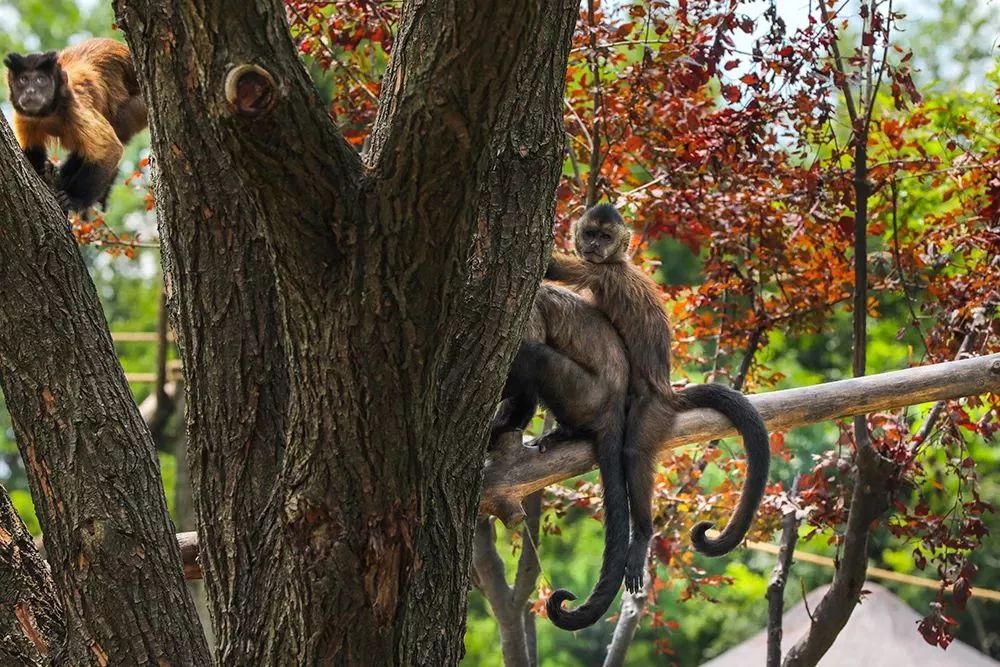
(509, 603)
(845, 87)
(779, 577)
(528, 566)
(487, 564)
(629, 617)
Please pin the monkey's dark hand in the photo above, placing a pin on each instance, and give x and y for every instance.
(68, 202)
(551, 271)
(558, 435)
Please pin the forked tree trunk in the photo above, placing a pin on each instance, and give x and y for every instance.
(345, 327)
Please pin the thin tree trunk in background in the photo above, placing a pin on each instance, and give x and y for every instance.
(89, 457)
(779, 578)
(629, 618)
(871, 494)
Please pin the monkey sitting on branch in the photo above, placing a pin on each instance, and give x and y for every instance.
(86, 97)
(573, 362)
(631, 301)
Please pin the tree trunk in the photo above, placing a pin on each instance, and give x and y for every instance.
(31, 619)
(90, 459)
(345, 327)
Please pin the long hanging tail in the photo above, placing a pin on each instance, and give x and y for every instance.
(744, 416)
(616, 526)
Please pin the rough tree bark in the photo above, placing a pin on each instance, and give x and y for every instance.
(90, 459)
(31, 618)
(345, 327)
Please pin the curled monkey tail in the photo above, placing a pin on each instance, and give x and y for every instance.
(616, 527)
(744, 416)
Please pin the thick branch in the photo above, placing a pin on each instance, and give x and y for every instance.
(513, 476)
(220, 172)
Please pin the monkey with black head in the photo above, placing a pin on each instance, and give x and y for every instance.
(573, 362)
(86, 97)
(630, 300)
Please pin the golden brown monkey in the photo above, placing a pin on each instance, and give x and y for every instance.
(631, 301)
(86, 97)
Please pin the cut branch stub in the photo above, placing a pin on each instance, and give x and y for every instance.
(251, 90)
(508, 448)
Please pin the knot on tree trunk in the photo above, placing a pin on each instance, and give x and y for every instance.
(250, 90)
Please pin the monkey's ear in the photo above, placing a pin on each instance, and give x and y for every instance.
(627, 241)
(14, 62)
(48, 60)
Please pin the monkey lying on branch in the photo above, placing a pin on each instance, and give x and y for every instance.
(573, 361)
(87, 97)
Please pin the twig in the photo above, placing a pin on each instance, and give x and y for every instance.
(779, 578)
(938, 408)
(595, 146)
(839, 62)
(633, 605)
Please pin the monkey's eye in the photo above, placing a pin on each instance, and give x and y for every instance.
(605, 236)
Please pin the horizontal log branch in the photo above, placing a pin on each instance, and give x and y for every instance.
(518, 471)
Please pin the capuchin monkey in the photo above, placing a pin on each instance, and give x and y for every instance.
(631, 301)
(572, 361)
(87, 97)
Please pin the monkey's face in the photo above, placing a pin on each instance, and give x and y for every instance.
(601, 236)
(34, 82)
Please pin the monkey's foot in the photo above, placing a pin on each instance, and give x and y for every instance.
(556, 436)
(70, 203)
(635, 564)
(633, 582)
(65, 200)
